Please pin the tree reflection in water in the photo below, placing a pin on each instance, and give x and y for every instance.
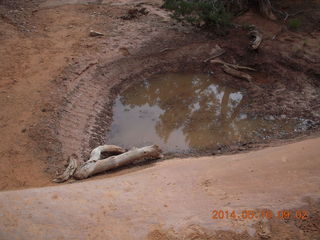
(180, 112)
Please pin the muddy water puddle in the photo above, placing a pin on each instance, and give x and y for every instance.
(188, 112)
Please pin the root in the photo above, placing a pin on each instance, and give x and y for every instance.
(96, 165)
(72, 167)
(237, 67)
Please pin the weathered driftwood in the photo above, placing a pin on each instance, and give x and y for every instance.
(236, 73)
(93, 167)
(235, 66)
(96, 165)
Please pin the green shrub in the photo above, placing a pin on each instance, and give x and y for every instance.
(204, 13)
(170, 4)
(294, 24)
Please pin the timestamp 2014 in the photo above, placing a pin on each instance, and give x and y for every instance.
(217, 214)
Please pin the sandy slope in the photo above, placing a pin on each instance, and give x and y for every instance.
(56, 40)
(171, 198)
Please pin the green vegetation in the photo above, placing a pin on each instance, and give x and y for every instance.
(294, 24)
(203, 13)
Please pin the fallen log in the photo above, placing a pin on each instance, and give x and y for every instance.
(96, 165)
(236, 73)
(93, 167)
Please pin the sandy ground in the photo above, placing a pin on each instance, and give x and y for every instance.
(57, 38)
(57, 85)
(174, 200)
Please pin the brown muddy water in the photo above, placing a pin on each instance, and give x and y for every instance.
(188, 112)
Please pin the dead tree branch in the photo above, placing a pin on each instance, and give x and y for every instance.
(236, 73)
(237, 67)
(96, 165)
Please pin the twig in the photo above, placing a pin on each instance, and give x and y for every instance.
(278, 33)
(166, 49)
(286, 17)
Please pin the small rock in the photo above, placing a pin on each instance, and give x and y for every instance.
(271, 118)
(95, 34)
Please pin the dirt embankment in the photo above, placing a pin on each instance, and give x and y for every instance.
(44, 52)
(58, 83)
